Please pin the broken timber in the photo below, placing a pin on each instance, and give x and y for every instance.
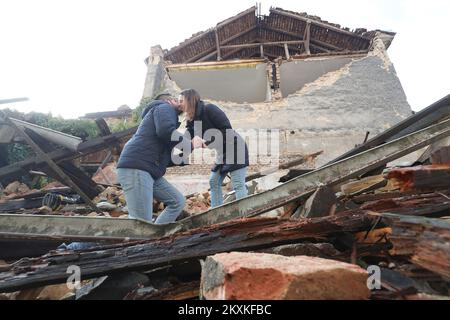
(236, 235)
(425, 241)
(23, 226)
(421, 178)
(63, 177)
(57, 156)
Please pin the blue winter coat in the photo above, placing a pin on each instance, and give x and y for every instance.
(151, 146)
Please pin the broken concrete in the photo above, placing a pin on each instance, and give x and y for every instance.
(155, 72)
(258, 276)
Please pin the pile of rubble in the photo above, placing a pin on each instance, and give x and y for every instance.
(387, 232)
(111, 202)
(357, 228)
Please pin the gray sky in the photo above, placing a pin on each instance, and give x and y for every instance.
(72, 57)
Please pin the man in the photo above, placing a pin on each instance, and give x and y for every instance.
(144, 161)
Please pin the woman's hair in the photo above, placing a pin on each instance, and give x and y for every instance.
(192, 98)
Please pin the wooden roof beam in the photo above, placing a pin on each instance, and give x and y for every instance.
(307, 37)
(315, 22)
(238, 16)
(210, 53)
(248, 45)
(222, 24)
(312, 41)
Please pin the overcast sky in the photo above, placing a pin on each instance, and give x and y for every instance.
(74, 57)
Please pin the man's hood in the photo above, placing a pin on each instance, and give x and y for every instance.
(151, 106)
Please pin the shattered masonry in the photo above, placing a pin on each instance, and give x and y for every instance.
(336, 209)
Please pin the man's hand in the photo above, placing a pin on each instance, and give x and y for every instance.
(198, 142)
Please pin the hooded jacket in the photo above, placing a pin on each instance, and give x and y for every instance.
(151, 147)
(212, 117)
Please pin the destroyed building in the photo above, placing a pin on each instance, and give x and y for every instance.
(314, 233)
(323, 86)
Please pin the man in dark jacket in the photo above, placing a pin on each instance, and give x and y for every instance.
(144, 161)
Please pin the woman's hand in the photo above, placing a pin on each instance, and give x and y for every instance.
(198, 142)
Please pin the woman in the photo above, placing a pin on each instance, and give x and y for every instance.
(210, 117)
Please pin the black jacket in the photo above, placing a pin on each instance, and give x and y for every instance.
(211, 117)
(151, 147)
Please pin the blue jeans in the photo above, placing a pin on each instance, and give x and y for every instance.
(237, 182)
(139, 188)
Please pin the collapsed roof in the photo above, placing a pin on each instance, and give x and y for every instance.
(239, 37)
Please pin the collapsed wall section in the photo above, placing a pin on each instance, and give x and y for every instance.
(328, 103)
(295, 74)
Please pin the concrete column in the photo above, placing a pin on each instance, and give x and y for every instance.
(156, 72)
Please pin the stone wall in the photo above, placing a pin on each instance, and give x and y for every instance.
(333, 112)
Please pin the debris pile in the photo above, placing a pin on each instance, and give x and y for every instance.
(357, 228)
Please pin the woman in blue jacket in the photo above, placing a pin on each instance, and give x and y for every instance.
(216, 132)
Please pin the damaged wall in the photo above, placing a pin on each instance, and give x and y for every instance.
(295, 74)
(239, 83)
(332, 113)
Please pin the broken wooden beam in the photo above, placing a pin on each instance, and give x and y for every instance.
(363, 185)
(62, 176)
(84, 148)
(331, 175)
(441, 156)
(295, 190)
(236, 235)
(421, 178)
(430, 205)
(426, 242)
(11, 206)
(288, 165)
(320, 204)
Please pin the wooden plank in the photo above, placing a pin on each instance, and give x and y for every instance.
(199, 56)
(84, 148)
(357, 187)
(286, 51)
(317, 43)
(307, 37)
(237, 235)
(318, 205)
(421, 178)
(250, 45)
(64, 178)
(425, 241)
(103, 127)
(318, 23)
(217, 45)
(18, 205)
(298, 189)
